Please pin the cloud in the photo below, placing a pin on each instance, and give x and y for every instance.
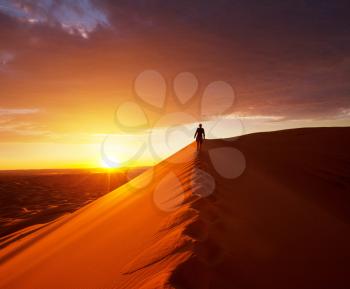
(6, 57)
(22, 128)
(80, 17)
(258, 117)
(344, 113)
(17, 124)
(18, 111)
(287, 59)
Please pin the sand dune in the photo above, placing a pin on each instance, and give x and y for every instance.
(283, 223)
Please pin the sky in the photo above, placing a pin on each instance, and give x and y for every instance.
(82, 79)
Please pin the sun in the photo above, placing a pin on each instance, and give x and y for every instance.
(108, 166)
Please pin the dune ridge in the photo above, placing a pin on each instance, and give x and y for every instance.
(106, 244)
(283, 223)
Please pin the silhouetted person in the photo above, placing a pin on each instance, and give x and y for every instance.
(199, 136)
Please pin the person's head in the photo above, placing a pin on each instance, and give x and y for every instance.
(200, 125)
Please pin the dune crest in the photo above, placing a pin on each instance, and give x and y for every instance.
(282, 223)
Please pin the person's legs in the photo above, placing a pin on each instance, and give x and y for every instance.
(199, 144)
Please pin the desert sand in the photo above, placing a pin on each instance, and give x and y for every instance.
(283, 223)
(36, 197)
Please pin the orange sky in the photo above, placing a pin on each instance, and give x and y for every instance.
(63, 79)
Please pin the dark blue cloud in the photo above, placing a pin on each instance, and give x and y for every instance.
(76, 17)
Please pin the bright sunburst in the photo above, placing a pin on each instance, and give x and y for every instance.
(107, 165)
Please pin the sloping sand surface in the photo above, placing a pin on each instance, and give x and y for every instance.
(188, 223)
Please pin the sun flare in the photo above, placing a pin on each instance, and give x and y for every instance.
(106, 165)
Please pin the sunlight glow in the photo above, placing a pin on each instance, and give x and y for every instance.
(106, 165)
